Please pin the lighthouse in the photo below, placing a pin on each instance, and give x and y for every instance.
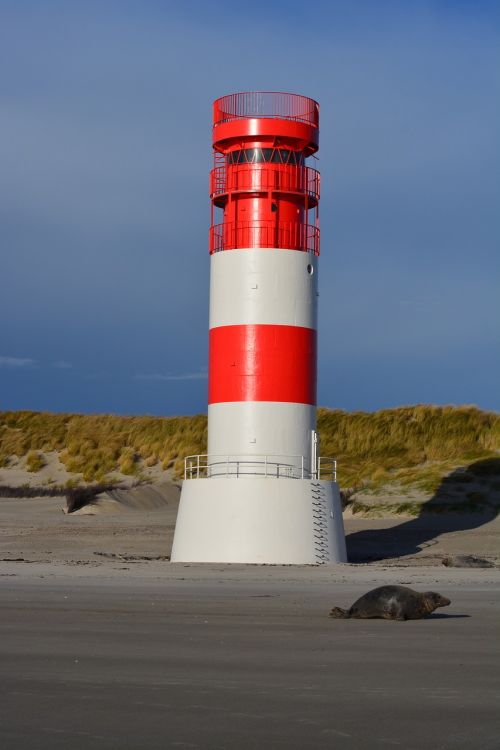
(262, 493)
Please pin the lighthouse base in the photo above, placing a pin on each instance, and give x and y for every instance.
(259, 520)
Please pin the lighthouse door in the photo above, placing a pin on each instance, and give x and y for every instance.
(314, 454)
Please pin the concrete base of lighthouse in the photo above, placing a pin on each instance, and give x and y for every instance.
(259, 520)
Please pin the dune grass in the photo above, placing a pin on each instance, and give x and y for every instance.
(94, 446)
(411, 446)
(34, 461)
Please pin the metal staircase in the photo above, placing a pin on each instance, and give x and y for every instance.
(320, 523)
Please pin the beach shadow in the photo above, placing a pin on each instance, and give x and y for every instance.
(467, 498)
(436, 616)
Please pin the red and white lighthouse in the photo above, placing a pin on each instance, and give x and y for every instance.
(262, 494)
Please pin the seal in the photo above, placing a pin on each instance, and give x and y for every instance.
(393, 603)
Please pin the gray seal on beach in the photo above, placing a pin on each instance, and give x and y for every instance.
(393, 603)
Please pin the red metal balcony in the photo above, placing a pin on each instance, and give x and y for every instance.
(264, 178)
(266, 104)
(263, 233)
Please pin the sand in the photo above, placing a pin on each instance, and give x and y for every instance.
(138, 524)
(105, 643)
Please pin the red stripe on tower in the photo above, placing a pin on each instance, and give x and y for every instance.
(262, 363)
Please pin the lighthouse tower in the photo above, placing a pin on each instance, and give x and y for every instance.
(262, 494)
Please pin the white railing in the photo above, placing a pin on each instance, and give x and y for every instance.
(205, 466)
(326, 468)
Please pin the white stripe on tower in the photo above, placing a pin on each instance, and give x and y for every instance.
(259, 285)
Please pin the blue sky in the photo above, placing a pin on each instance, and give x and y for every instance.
(105, 151)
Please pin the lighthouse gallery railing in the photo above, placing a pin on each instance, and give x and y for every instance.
(274, 104)
(264, 233)
(206, 466)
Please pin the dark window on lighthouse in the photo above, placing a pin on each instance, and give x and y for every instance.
(259, 155)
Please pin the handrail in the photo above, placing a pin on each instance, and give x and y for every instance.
(327, 468)
(266, 104)
(264, 233)
(289, 179)
(206, 466)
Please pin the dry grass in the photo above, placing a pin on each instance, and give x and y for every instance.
(413, 446)
(34, 461)
(93, 446)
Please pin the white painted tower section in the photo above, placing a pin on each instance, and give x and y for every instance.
(259, 520)
(263, 285)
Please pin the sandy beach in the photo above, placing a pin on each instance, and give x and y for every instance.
(139, 525)
(105, 643)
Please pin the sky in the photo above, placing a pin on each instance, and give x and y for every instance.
(105, 151)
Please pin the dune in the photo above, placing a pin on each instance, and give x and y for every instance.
(161, 496)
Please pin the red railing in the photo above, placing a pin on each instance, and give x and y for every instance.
(263, 233)
(304, 180)
(272, 104)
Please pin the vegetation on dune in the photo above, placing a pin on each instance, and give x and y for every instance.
(93, 446)
(410, 447)
(34, 461)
